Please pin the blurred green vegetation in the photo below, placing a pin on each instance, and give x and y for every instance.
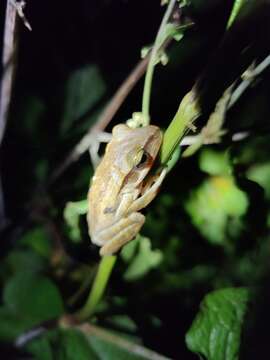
(206, 236)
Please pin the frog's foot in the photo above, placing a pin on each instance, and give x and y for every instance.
(148, 193)
(96, 139)
(120, 233)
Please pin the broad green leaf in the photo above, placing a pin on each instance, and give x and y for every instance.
(83, 90)
(260, 173)
(74, 345)
(216, 331)
(110, 346)
(93, 344)
(41, 348)
(144, 260)
(214, 162)
(39, 240)
(25, 260)
(216, 207)
(33, 296)
(13, 324)
(61, 345)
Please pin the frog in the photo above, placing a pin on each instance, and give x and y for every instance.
(122, 186)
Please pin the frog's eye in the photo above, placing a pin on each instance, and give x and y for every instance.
(144, 160)
(138, 159)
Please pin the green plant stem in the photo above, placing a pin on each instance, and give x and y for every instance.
(235, 11)
(103, 274)
(152, 62)
(187, 112)
(107, 262)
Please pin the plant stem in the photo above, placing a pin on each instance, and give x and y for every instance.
(235, 11)
(151, 65)
(103, 274)
(187, 112)
(107, 262)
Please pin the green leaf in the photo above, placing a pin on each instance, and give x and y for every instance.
(39, 240)
(214, 162)
(260, 173)
(41, 348)
(110, 346)
(92, 344)
(145, 259)
(72, 213)
(83, 90)
(25, 260)
(32, 296)
(216, 208)
(74, 345)
(13, 324)
(216, 330)
(61, 345)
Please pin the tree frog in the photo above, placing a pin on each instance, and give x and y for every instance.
(121, 188)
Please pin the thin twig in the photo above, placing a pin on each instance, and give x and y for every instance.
(192, 139)
(19, 6)
(151, 64)
(8, 65)
(105, 118)
(90, 331)
(248, 80)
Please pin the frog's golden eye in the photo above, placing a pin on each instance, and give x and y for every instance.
(144, 161)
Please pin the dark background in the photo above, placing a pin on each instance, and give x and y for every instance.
(68, 35)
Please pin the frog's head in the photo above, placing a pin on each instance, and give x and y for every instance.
(137, 150)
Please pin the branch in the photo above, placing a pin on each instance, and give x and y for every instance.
(8, 65)
(105, 118)
(248, 78)
(90, 330)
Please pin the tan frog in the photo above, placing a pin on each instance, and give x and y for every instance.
(119, 188)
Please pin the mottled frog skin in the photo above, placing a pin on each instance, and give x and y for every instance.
(120, 189)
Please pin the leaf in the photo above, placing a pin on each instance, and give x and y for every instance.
(214, 162)
(32, 296)
(25, 260)
(145, 259)
(216, 207)
(260, 173)
(90, 344)
(12, 324)
(83, 90)
(216, 330)
(71, 344)
(110, 346)
(72, 213)
(39, 240)
(41, 348)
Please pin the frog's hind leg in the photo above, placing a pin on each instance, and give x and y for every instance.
(148, 194)
(134, 222)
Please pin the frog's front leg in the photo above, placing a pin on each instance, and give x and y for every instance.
(120, 233)
(149, 193)
(97, 138)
